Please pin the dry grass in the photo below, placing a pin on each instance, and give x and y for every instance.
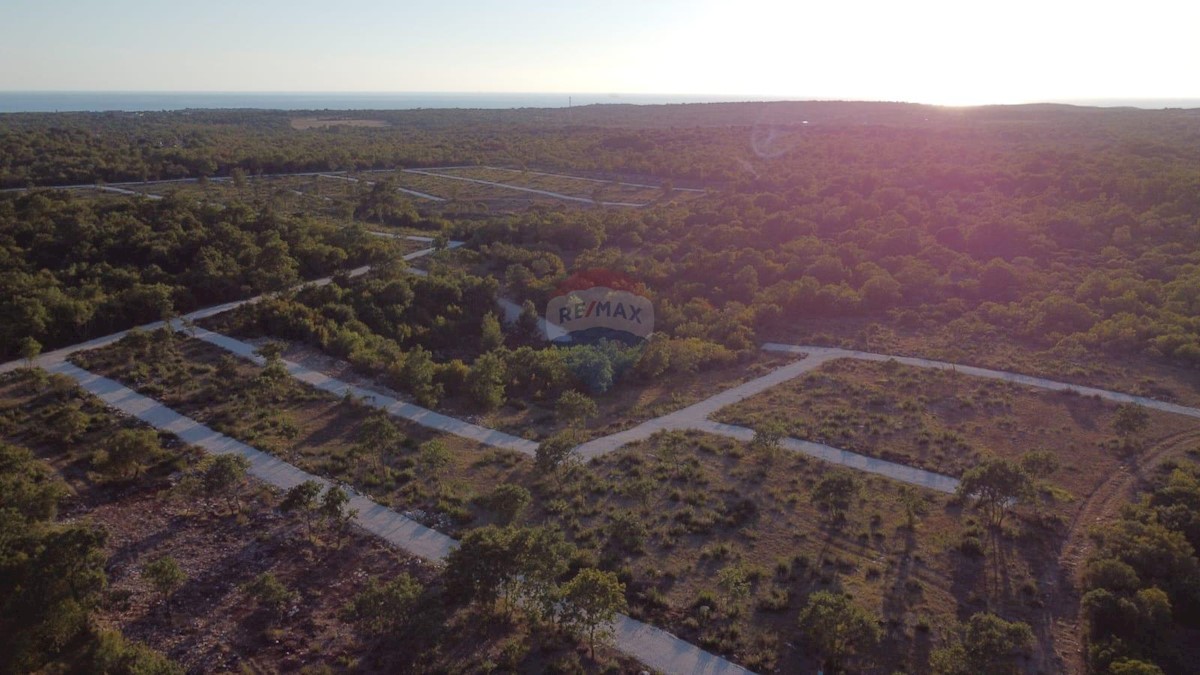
(947, 422)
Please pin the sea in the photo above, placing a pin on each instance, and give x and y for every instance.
(140, 101)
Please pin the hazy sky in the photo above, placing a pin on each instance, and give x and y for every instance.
(957, 52)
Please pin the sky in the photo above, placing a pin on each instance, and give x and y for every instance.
(927, 51)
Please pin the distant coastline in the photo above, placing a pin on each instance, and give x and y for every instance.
(132, 101)
(99, 101)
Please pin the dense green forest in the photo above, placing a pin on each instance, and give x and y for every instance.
(1142, 601)
(71, 269)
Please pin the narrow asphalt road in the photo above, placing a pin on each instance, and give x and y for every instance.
(414, 193)
(563, 175)
(50, 358)
(1016, 378)
(408, 411)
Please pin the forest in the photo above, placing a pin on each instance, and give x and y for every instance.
(1055, 241)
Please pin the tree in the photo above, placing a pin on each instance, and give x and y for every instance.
(227, 369)
(996, 485)
(837, 627)
(1130, 420)
(1039, 463)
(734, 583)
(383, 608)
(29, 350)
(302, 498)
(767, 439)
(433, 457)
(270, 593)
(914, 504)
(835, 494)
(543, 557)
(129, 449)
(418, 375)
(334, 509)
(377, 437)
(627, 532)
(593, 599)
(485, 381)
(1126, 666)
(508, 502)
(165, 575)
(483, 567)
(528, 328)
(554, 452)
(989, 645)
(491, 336)
(575, 408)
(274, 370)
(225, 475)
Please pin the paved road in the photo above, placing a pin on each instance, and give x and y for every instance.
(851, 460)
(168, 181)
(414, 193)
(652, 646)
(1017, 378)
(563, 175)
(695, 417)
(518, 188)
(392, 406)
(123, 191)
(50, 358)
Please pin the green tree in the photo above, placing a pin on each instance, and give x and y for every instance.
(995, 486)
(574, 408)
(483, 568)
(418, 374)
(129, 449)
(165, 575)
(528, 329)
(302, 499)
(627, 532)
(1130, 420)
(29, 349)
(434, 457)
(767, 439)
(836, 627)
(553, 453)
(270, 593)
(335, 510)
(593, 599)
(735, 584)
(835, 494)
(491, 335)
(225, 475)
(485, 381)
(274, 370)
(378, 437)
(989, 645)
(543, 557)
(386, 608)
(508, 502)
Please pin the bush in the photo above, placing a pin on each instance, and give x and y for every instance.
(270, 593)
(385, 607)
